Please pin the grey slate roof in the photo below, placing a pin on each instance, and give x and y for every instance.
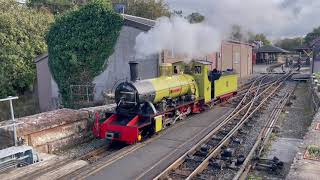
(138, 22)
(315, 42)
(271, 49)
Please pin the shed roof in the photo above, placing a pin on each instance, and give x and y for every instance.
(315, 42)
(271, 49)
(301, 48)
(203, 62)
(138, 22)
(238, 42)
(41, 57)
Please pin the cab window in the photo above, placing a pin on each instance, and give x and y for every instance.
(197, 69)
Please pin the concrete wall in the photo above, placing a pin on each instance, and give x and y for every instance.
(48, 91)
(44, 85)
(118, 68)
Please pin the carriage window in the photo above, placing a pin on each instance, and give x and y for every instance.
(175, 70)
(197, 69)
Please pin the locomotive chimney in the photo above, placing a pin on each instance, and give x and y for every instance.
(133, 70)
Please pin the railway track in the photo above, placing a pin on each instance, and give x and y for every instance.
(89, 157)
(254, 155)
(203, 154)
(259, 85)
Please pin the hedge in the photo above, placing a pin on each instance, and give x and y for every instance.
(79, 44)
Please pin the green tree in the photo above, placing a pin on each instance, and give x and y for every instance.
(290, 43)
(195, 17)
(259, 37)
(312, 35)
(236, 33)
(60, 6)
(178, 13)
(151, 9)
(79, 43)
(22, 32)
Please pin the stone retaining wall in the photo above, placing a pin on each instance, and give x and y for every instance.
(56, 130)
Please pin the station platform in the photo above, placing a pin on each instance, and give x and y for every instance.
(304, 168)
(156, 155)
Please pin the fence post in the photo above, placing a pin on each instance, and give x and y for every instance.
(10, 98)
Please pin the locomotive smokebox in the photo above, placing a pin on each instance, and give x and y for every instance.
(134, 72)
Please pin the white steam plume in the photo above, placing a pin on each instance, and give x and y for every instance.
(178, 35)
(275, 18)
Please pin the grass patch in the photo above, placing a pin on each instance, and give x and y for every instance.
(313, 151)
(254, 177)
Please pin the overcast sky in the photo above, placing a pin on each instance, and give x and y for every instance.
(276, 18)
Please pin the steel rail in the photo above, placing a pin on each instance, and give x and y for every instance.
(204, 163)
(217, 149)
(202, 141)
(180, 160)
(263, 137)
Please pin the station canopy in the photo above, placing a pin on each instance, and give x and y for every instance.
(271, 49)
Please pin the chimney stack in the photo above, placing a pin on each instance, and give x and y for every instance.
(133, 70)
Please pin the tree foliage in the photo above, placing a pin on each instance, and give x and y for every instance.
(195, 17)
(151, 9)
(290, 43)
(237, 33)
(56, 6)
(259, 37)
(22, 32)
(312, 35)
(79, 44)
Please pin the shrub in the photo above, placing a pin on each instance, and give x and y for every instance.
(79, 43)
(22, 32)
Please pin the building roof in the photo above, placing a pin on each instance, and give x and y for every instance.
(315, 42)
(203, 62)
(301, 48)
(41, 57)
(138, 22)
(238, 42)
(271, 49)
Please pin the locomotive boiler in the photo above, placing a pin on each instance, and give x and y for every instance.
(157, 94)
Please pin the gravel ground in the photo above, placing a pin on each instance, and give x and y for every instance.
(253, 129)
(298, 117)
(292, 124)
(82, 149)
